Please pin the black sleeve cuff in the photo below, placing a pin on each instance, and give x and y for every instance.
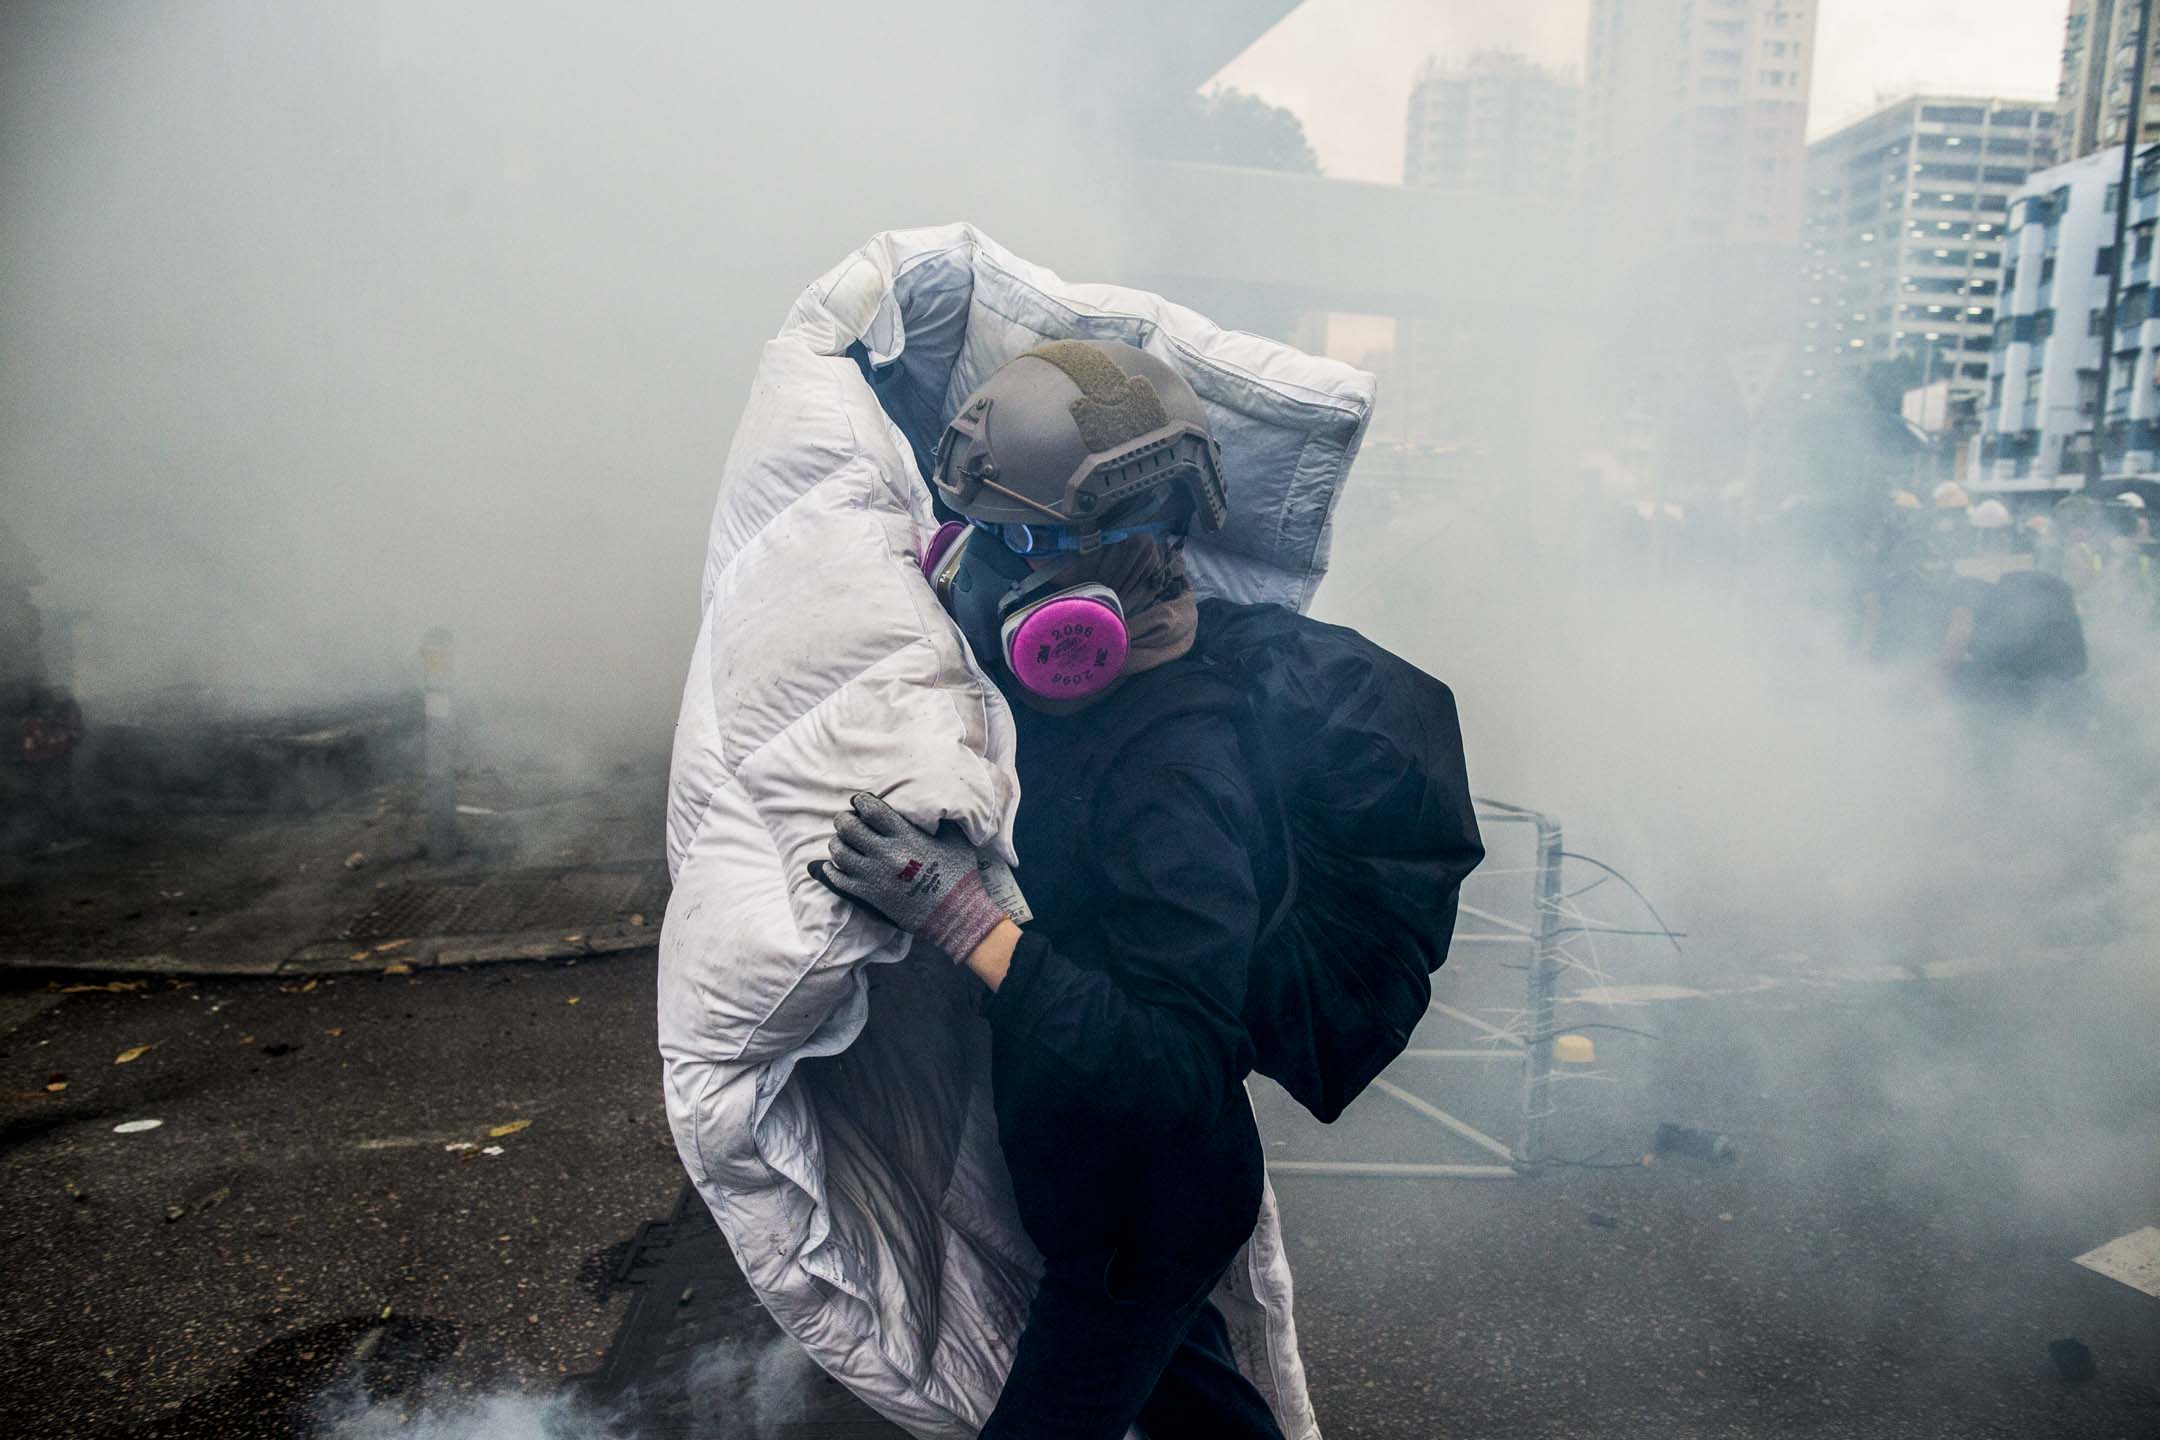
(1013, 999)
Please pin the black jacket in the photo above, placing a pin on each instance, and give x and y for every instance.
(1118, 1050)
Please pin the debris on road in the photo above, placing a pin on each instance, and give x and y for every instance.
(2073, 1359)
(511, 1128)
(132, 1054)
(355, 860)
(492, 1150)
(399, 968)
(1690, 1143)
(135, 1127)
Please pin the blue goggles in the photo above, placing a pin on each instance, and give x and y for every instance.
(1166, 510)
(1058, 540)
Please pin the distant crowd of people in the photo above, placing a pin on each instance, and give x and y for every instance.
(2000, 603)
(1997, 596)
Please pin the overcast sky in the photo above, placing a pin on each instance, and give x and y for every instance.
(1345, 66)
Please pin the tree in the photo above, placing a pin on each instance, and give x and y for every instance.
(1230, 127)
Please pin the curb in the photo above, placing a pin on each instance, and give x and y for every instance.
(433, 952)
(437, 952)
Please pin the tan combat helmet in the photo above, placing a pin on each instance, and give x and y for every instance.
(1081, 441)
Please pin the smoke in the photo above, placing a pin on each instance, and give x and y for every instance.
(324, 325)
(493, 1417)
(768, 1385)
(1950, 901)
(321, 326)
(1711, 731)
(744, 1388)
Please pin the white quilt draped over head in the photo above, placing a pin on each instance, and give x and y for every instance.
(829, 1092)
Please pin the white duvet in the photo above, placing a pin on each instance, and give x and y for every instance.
(829, 1093)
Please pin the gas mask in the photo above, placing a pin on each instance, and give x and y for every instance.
(1059, 641)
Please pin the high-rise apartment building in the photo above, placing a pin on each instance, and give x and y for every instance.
(2099, 51)
(1694, 121)
(1496, 126)
(2044, 389)
(1695, 149)
(1906, 216)
(2043, 395)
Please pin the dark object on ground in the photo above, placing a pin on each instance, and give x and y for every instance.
(301, 1384)
(2073, 1359)
(1693, 1144)
(689, 1304)
(1603, 1221)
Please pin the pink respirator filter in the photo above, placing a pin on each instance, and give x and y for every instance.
(1070, 646)
(941, 543)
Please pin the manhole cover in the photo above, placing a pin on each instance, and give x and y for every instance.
(512, 901)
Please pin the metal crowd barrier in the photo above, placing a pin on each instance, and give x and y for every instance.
(1529, 1046)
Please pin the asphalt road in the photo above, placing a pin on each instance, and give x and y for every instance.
(1889, 1255)
(204, 1276)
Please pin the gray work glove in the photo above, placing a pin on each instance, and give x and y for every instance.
(931, 886)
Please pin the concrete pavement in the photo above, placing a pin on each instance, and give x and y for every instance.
(1919, 1163)
(322, 1165)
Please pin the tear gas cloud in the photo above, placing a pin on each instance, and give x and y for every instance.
(1721, 742)
(750, 1389)
(1809, 819)
(323, 325)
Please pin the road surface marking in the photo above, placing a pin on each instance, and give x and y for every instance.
(2134, 1259)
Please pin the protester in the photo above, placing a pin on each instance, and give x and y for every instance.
(1118, 1052)
(1244, 834)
